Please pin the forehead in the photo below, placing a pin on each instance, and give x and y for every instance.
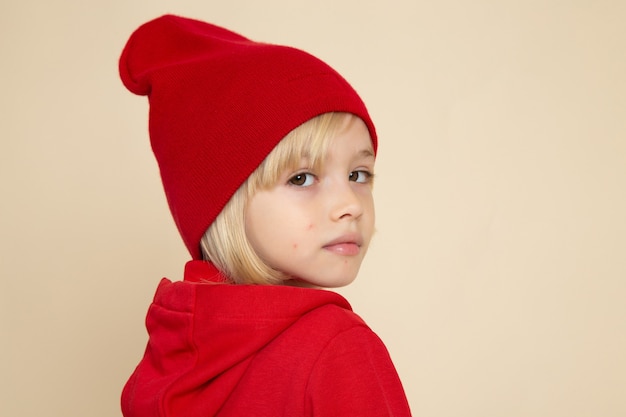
(352, 139)
(309, 146)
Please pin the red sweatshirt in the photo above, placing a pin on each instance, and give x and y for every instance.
(226, 350)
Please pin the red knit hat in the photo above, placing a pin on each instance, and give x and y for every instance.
(219, 103)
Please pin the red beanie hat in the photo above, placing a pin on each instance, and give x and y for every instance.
(219, 104)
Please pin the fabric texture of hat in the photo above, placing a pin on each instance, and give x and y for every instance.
(219, 104)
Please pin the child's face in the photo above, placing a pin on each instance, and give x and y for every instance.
(316, 226)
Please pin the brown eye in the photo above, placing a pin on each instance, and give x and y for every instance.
(302, 180)
(360, 176)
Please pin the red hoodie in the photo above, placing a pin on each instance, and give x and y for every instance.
(254, 350)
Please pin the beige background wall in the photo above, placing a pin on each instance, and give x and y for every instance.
(497, 278)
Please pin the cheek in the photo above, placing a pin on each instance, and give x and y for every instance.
(370, 217)
(309, 228)
(259, 224)
(368, 204)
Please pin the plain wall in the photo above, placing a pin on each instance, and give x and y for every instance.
(497, 277)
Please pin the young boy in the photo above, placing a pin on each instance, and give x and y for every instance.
(267, 158)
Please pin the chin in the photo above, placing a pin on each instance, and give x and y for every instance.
(333, 283)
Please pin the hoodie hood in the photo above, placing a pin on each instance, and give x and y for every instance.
(202, 334)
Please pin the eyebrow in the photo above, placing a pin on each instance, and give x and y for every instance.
(366, 153)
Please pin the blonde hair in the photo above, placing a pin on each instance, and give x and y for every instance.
(225, 243)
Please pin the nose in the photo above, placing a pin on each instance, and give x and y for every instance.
(345, 202)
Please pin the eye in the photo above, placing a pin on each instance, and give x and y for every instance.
(303, 179)
(360, 176)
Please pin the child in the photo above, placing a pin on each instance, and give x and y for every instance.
(266, 156)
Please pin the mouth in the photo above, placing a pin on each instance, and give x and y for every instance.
(348, 245)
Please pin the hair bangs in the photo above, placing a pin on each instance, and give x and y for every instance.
(305, 147)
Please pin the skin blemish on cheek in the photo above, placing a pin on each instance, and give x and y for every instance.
(311, 226)
(295, 246)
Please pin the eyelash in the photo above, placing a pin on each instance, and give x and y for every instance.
(307, 175)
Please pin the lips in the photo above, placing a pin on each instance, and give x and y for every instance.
(348, 245)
